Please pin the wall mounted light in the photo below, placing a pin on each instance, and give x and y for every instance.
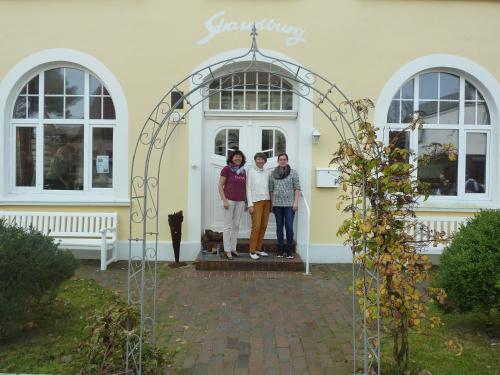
(315, 136)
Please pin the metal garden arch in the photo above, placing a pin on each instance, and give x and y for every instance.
(149, 151)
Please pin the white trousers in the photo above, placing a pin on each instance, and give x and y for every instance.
(232, 218)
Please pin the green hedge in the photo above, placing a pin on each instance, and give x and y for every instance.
(31, 269)
(469, 268)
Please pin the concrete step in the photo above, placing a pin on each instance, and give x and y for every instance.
(206, 261)
(270, 246)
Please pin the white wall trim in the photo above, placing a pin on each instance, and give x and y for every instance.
(489, 87)
(13, 81)
(195, 165)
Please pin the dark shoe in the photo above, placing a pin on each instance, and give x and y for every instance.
(279, 255)
(289, 256)
(235, 253)
(228, 255)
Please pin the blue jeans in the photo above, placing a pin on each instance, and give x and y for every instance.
(284, 216)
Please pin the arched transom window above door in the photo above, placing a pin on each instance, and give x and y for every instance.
(250, 91)
(454, 145)
(63, 122)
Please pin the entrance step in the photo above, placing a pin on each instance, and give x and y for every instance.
(207, 261)
(270, 246)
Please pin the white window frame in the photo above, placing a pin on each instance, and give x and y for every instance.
(10, 87)
(487, 85)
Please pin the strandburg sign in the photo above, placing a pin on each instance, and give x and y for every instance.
(217, 24)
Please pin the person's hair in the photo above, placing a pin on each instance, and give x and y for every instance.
(260, 155)
(282, 154)
(232, 154)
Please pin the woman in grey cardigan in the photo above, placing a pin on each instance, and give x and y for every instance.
(284, 188)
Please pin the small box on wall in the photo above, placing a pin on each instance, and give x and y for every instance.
(327, 177)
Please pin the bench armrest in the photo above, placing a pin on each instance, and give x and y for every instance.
(103, 231)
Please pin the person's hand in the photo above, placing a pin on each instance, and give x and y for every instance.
(225, 203)
(250, 210)
(246, 207)
(295, 207)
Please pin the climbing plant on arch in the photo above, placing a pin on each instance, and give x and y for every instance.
(154, 141)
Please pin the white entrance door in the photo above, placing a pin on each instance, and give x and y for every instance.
(250, 136)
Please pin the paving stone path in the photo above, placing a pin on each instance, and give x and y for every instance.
(251, 322)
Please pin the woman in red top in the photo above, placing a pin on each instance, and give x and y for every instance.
(232, 191)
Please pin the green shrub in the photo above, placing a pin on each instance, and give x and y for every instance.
(104, 351)
(31, 269)
(469, 268)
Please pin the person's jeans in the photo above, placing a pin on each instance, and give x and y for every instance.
(284, 216)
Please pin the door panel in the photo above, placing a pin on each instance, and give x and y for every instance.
(223, 136)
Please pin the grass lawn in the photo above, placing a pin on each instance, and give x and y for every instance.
(52, 346)
(476, 353)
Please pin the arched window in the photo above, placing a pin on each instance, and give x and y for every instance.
(250, 91)
(63, 122)
(454, 145)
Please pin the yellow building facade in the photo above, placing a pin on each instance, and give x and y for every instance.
(78, 79)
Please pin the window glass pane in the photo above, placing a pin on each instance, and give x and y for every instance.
(214, 100)
(483, 115)
(238, 100)
(215, 84)
(438, 160)
(227, 82)
(479, 96)
(108, 109)
(25, 156)
(406, 111)
(470, 91)
(401, 140)
(449, 86)
(470, 113)
(275, 100)
(74, 107)
(105, 91)
(263, 80)
(393, 114)
(32, 106)
(233, 139)
(63, 157)
(407, 90)
(238, 81)
(95, 86)
(102, 157)
(226, 99)
(267, 140)
(475, 163)
(448, 112)
(279, 142)
(54, 106)
(95, 108)
(74, 81)
(250, 83)
(33, 86)
(220, 143)
(19, 107)
(286, 85)
(250, 100)
(263, 100)
(428, 86)
(429, 111)
(54, 81)
(275, 82)
(286, 101)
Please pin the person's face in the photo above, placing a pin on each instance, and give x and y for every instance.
(237, 159)
(259, 162)
(283, 161)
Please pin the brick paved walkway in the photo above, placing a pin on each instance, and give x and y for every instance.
(252, 322)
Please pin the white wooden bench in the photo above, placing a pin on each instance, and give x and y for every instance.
(73, 230)
(448, 226)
